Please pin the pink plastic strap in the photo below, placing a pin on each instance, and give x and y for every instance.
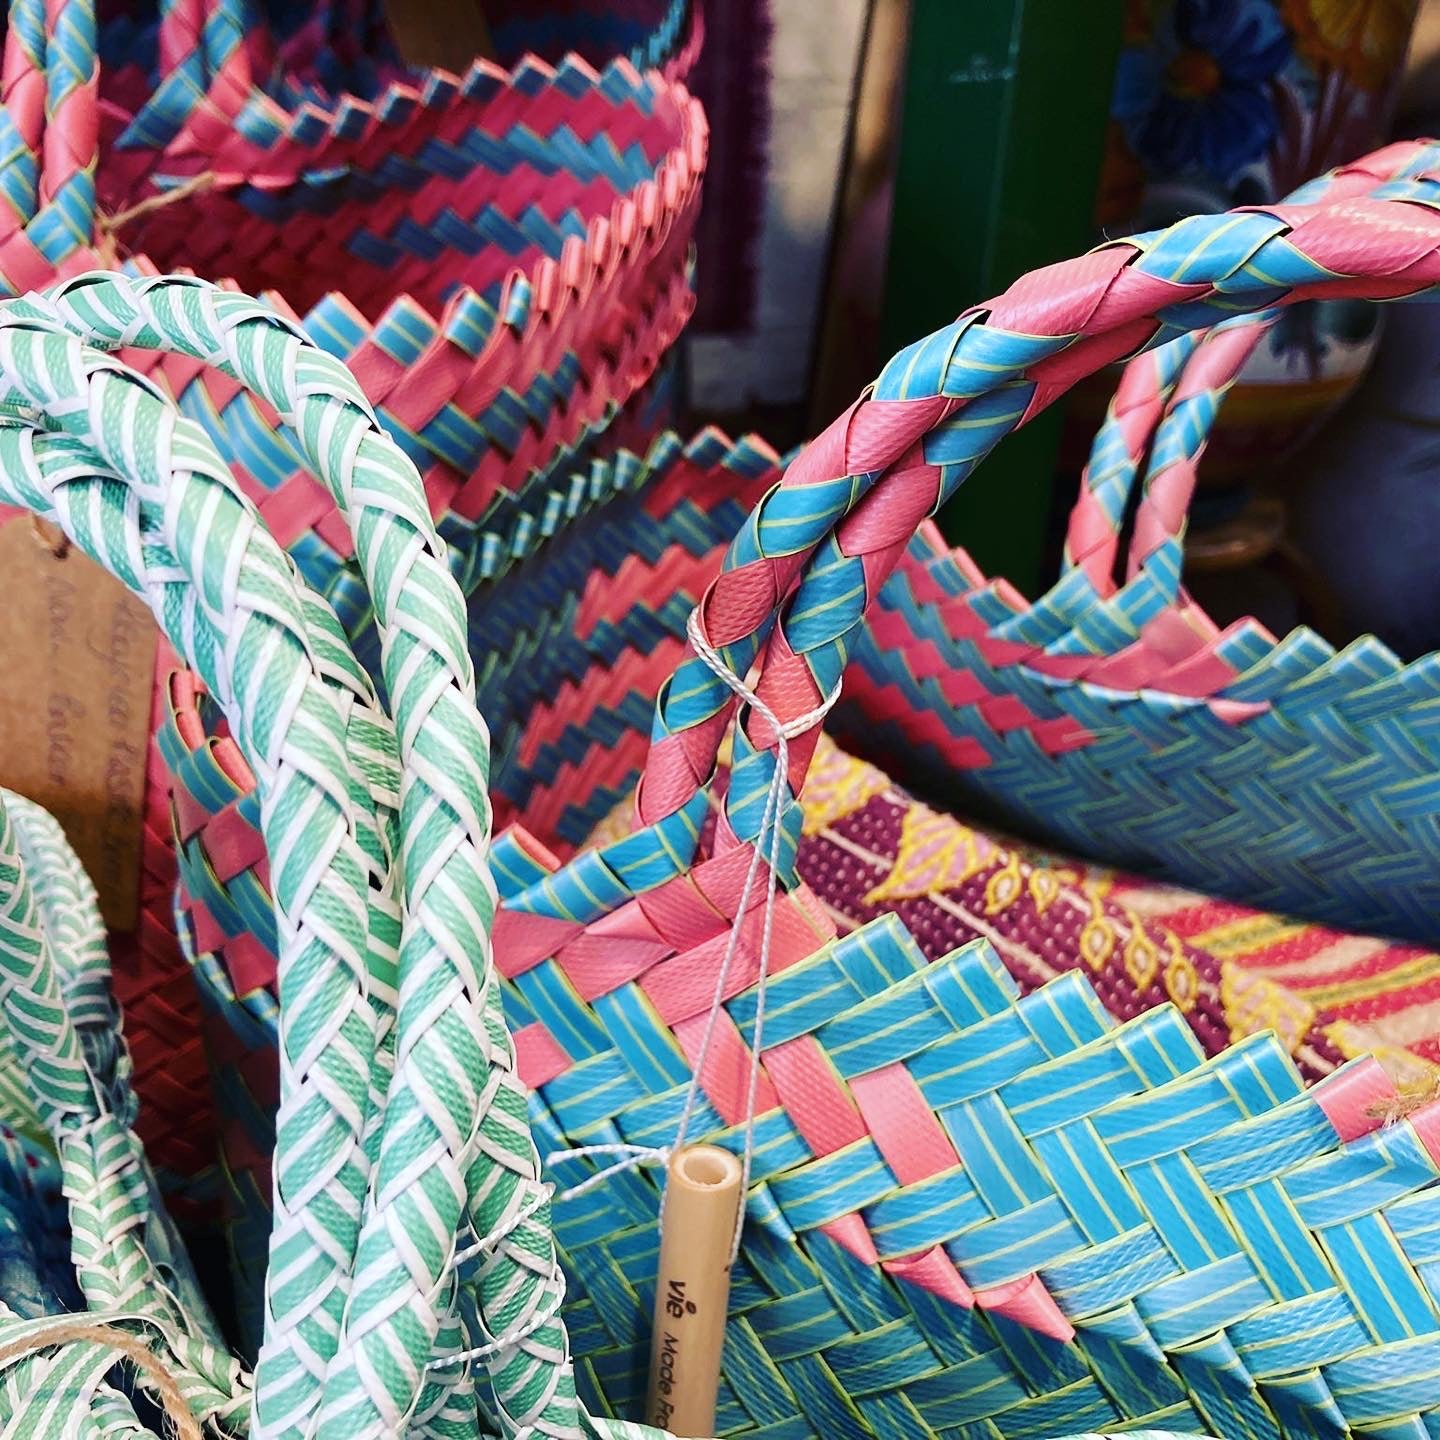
(1426, 1124)
(935, 1271)
(1356, 1098)
(903, 1125)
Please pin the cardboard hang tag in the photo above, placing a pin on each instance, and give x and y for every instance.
(77, 665)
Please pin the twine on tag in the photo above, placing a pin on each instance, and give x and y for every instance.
(166, 1387)
(109, 225)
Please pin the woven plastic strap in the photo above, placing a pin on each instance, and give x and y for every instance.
(581, 300)
(223, 82)
(48, 132)
(1159, 421)
(935, 411)
(453, 1108)
(61, 477)
(54, 993)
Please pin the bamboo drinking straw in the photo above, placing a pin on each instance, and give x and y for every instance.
(702, 1200)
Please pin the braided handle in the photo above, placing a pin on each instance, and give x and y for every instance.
(1167, 401)
(453, 1106)
(49, 95)
(817, 549)
(251, 627)
(204, 73)
(61, 1019)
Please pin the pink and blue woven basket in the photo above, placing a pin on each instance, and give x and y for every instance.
(974, 1213)
(1117, 720)
(548, 336)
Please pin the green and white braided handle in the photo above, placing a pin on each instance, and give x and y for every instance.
(401, 1120)
(402, 1124)
(61, 1025)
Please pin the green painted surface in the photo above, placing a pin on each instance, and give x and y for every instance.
(1002, 136)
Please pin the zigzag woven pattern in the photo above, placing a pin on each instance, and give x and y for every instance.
(611, 1246)
(1159, 419)
(888, 1142)
(570, 650)
(1283, 735)
(615, 1368)
(490, 171)
(55, 975)
(47, 138)
(1163, 424)
(1304, 786)
(488, 397)
(978, 1214)
(932, 415)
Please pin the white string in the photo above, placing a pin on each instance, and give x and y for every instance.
(501, 1342)
(488, 1242)
(636, 1156)
(770, 819)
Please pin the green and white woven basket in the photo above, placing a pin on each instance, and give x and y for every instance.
(412, 1232)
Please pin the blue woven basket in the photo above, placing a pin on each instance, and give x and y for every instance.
(1122, 723)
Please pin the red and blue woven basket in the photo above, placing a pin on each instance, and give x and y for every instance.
(551, 278)
(1117, 720)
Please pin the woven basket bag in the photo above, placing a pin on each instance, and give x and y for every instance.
(935, 1241)
(570, 648)
(1124, 724)
(412, 1233)
(574, 712)
(489, 397)
(376, 183)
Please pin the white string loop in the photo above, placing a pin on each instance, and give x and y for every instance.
(636, 1156)
(770, 826)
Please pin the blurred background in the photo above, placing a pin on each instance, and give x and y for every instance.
(916, 156)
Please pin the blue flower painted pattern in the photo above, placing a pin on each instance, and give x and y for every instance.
(1200, 93)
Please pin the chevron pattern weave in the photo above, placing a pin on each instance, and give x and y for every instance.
(570, 649)
(933, 414)
(559, 353)
(55, 976)
(983, 1214)
(1026, 1217)
(1158, 422)
(47, 186)
(1121, 722)
(486, 172)
(1130, 727)
(923, 1192)
(404, 1048)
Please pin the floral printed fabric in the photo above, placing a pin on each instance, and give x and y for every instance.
(869, 847)
(1224, 102)
(1199, 90)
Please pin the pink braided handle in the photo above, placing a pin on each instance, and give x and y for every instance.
(850, 502)
(1155, 385)
(197, 32)
(1164, 507)
(48, 88)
